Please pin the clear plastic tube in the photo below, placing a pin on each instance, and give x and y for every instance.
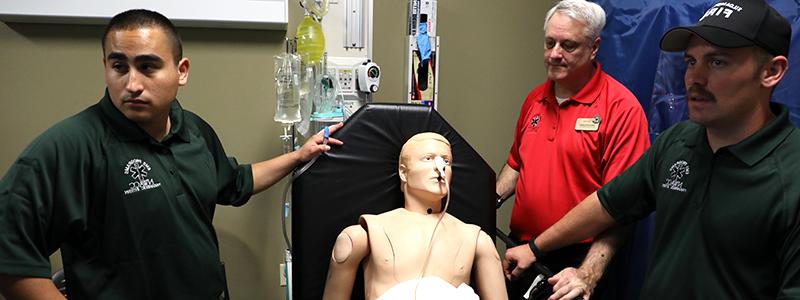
(433, 234)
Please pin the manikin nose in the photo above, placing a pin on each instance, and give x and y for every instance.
(440, 166)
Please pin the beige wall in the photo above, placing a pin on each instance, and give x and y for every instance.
(490, 58)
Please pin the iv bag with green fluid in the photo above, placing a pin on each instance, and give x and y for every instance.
(310, 40)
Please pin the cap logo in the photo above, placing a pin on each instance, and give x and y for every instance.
(722, 8)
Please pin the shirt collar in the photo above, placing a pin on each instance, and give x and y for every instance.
(127, 130)
(696, 137)
(586, 95)
(757, 146)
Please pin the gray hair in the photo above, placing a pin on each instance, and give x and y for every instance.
(588, 13)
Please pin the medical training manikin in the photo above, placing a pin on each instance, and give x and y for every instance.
(418, 251)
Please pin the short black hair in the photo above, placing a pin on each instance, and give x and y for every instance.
(141, 18)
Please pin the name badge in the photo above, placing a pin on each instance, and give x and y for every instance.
(587, 124)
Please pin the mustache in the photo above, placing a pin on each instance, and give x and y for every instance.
(701, 92)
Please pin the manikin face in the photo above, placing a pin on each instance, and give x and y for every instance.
(568, 53)
(141, 74)
(418, 171)
(721, 84)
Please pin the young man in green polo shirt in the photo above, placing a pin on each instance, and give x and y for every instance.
(724, 184)
(127, 188)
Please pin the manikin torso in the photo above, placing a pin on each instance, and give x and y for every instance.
(396, 254)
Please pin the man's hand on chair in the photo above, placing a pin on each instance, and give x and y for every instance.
(572, 283)
(517, 260)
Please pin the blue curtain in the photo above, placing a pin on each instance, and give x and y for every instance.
(630, 53)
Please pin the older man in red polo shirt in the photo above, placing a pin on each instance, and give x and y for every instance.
(575, 132)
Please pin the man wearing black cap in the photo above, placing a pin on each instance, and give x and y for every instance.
(725, 183)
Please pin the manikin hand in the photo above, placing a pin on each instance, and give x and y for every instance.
(520, 258)
(317, 144)
(572, 283)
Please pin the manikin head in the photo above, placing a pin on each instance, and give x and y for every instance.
(419, 179)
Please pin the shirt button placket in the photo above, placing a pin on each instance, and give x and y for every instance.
(171, 165)
(552, 111)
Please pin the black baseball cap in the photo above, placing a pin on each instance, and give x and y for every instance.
(734, 24)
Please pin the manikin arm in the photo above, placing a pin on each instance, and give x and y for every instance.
(488, 272)
(13, 287)
(352, 246)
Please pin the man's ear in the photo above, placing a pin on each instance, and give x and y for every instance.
(774, 71)
(403, 172)
(595, 47)
(183, 71)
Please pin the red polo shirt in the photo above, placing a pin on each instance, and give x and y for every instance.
(565, 152)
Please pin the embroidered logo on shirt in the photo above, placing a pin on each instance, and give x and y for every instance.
(138, 170)
(676, 172)
(535, 121)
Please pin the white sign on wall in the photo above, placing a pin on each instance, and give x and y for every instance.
(245, 14)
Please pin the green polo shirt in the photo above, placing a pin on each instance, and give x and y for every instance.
(132, 216)
(727, 222)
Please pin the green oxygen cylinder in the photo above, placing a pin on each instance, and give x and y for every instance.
(310, 40)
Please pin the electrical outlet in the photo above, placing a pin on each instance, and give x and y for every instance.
(283, 274)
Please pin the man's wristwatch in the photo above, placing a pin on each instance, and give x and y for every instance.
(536, 251)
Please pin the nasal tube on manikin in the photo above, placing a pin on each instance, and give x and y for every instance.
(440, 165)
